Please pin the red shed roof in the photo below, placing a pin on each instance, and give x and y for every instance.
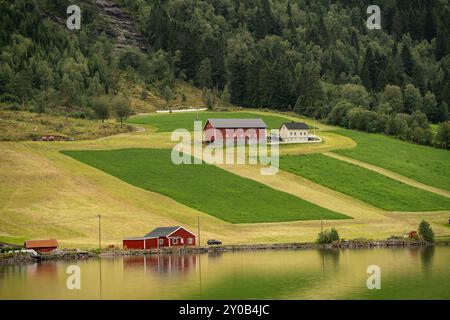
(30, 244)
(161, 232)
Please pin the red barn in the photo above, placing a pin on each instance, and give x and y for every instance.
(162, 237)
(41, 245)
(234, 129)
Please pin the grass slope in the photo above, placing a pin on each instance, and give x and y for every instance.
(22, 125)
(203, 187)
(425, 164)
(173, 121)
(363, 184)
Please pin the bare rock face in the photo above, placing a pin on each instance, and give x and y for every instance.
(122, 26)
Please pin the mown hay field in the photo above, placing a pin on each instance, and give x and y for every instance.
(363, 184)
(203, 187)
(427, 165)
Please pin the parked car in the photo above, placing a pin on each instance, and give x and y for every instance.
(214, 243)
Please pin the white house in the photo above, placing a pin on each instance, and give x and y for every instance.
(294, 132)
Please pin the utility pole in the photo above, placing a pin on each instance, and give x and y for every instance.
(99, 233)
(314, 126)
(198, 230)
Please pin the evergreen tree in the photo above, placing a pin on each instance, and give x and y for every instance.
(225, 96)
(204, 74)
(426, 231)
(407, 59)
(369, 69)
(167, 95)
(309, 89)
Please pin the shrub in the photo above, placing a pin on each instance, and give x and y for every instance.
(101, 107)
(7, 97)
(340, 113)
(334, 235)
(121, 107)
(426, 232)
(209, 99)
(13, 107)
(326, 236)
(78, 115)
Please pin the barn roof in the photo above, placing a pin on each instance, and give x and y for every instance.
(41, 243)
(238, 123)
(161, 232)
(296, 125)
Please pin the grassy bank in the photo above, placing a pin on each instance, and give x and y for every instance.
(363, 184)
(203, 187)
(425, 164)
(12, 240)
(21, 125)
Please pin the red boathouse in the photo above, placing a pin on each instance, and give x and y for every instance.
(231, 130)
(162, 237)
(41, 245)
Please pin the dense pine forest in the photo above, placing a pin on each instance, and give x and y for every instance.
(313, 57)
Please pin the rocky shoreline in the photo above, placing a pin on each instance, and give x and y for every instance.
(276, 246)
(18, 258)
(68, 255)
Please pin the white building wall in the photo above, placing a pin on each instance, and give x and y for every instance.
(293, 135)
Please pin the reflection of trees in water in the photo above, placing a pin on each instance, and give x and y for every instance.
(162, 263)
(329, 256)
(427, 256)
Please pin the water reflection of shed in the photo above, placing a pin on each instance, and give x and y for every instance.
(171, 263)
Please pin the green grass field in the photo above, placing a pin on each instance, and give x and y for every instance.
(363, 184)
(427, 165)
(203, 187)
(12, 240)
(173, 121)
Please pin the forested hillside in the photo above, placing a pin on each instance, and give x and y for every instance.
(317, 58)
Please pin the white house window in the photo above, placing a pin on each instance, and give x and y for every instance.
(174, 241)
(161, 241)
(190, 241)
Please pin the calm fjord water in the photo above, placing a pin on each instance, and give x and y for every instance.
(406, 273)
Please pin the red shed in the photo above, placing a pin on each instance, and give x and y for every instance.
(162, 237)
(234, 129)
(41, 245)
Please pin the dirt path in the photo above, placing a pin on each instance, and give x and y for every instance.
(389, 174)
